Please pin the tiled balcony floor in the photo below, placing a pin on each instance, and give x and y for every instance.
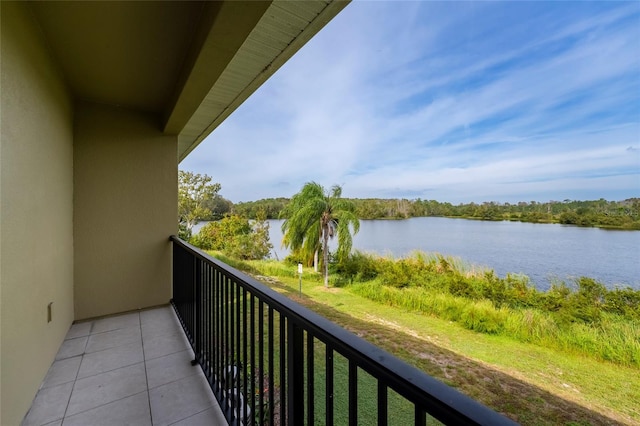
(132, 369)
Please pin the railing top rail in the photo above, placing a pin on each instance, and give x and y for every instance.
(442, 401)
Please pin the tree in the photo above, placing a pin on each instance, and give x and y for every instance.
(219, 207)
(312, 217)
(236, 237)
(194, 191)
(254, 245)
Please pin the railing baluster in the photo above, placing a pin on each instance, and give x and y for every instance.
(283, 375)
(245, 366)
(210, 301)
(329, 386)
(213, 350)
(261, 358)
(206, 320)
(198, 317)
(270, 359)
(229, 367)
(382, 404)
(420, 417)
(237, 357)
(225, 360)
(218, 327)
(253, 373)
(353, 393)
(191, 294)
(310, 380)
(295, 372)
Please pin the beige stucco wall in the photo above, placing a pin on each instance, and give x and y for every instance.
(125, 208)
(36, 211)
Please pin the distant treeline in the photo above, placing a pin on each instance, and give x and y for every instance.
(614, 214)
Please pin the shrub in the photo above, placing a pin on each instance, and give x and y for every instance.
(395, 273)
(184, 233)
(585, 304)
(625, 302)
(220, 234)
(358, 266)
(519, 292)
(556, 298)
(235, 236)
(458, 286)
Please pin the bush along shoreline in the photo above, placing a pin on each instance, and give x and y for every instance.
(582, 317)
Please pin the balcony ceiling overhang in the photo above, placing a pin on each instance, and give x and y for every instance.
(190, 63)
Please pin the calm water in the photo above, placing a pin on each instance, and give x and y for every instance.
(544, 252)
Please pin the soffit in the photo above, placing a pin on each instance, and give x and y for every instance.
(190, 62)
(124, 53)
(281, 31)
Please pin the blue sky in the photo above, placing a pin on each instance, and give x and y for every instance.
(451, 101)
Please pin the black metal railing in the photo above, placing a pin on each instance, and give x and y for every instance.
(271, 361)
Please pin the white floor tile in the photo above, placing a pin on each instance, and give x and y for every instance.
(110, 359)
(79, 330)
(72, 347)
(132, 410)
(101, 376)
(158, 346)
(104, 388)
(112, 339)
(114, 323)
(170, 368)
(49, 405)
(62, 371)
(179, 400)
(211, 417)
(153, 316)
(150, 330)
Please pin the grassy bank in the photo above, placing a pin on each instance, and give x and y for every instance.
(529, 382)
(611, 339)
(582, 317)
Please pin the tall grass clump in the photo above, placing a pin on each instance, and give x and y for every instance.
(483, 317)
(581, 317)
(243, 265)
(267, 267)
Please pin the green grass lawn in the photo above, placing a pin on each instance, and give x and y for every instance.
(530, 384)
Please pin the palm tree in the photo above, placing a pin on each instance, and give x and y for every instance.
(314, 216)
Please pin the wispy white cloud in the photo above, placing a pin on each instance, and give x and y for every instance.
(449, 101)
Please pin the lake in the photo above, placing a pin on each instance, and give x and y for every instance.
(544, 252)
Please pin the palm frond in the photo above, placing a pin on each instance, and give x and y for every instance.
(313, 216)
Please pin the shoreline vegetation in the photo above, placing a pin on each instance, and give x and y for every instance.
(624, 215)
(581, 320)
(581, 317)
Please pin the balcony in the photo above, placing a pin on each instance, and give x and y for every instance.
(98, 98)
(259, 359)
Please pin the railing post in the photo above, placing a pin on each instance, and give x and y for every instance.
(295, 372)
